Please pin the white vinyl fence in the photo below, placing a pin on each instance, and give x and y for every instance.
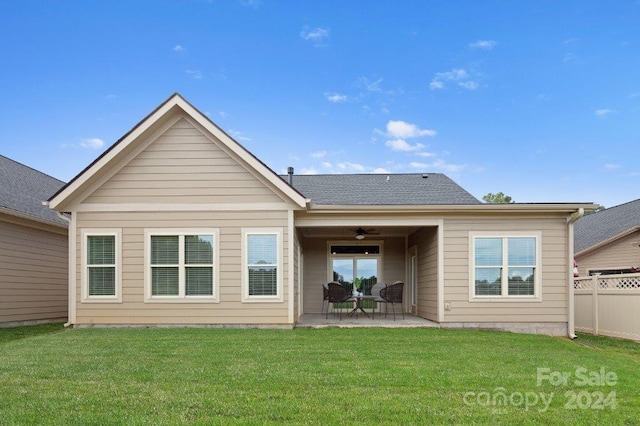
(608, 305)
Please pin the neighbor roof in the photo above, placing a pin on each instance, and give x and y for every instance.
(381, 189)
(23, 189)
(607, 224)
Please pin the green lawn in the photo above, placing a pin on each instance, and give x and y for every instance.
(327, 376)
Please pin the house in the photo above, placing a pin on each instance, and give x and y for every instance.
(33, 248)
(177, 223)
(608, 241)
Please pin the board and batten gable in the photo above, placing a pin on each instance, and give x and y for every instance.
(552, 306)
(180, 175)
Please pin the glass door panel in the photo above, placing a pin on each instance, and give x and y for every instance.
(343, 271)
(366, 274)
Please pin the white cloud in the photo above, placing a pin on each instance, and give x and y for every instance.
(327, 165)
(380, 170)
(610, 166)
(439, 164)
(316, 35)
(401, 129)
(402, 145)
(238, 135)
(483, 44)
(426, 154)
(223, 114)
(309, 171)
(457, 75)
(195, 74)
(93, 143)
(569, 57)
(469, 85)
(570, 40)
(319, 154)
(370, 86)
(335, 97)
(436, 84)
(351, 167)
(178, 49)
(603, 112)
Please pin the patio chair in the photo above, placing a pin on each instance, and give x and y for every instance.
(337, 294)
(393, 294)
(325, 297)
(375, 291)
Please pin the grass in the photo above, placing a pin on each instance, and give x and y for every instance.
(306, 376)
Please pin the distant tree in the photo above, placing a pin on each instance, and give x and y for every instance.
(498, 198)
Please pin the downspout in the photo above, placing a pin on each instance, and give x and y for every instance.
(571, 325)
(71, 265)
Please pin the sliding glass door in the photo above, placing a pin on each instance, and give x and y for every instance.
(355, 266)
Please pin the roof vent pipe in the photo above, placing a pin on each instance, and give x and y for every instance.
(290, 173)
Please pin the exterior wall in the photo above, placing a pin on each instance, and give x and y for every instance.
(230, 309)
(622, 253)
(33, 272)
(552, 309)
(178, 167)
(316, 264)
(181, 178)
(426, 241)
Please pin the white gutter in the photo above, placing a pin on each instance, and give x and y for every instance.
(71, 265)
(571, 325)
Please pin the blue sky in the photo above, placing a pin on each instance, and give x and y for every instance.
(537, 99)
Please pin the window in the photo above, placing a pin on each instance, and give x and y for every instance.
(505, 266)
(181, 264)
(355, 265)
(262, 260)
(101, 265)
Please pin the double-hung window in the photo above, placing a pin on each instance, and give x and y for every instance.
(101, 265)
(262, 265)
(505, 266)
(181, 265)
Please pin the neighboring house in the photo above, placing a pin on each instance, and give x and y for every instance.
(33, 248)
(608, 241)
(177, 223)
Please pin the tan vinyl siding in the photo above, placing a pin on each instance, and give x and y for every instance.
(554, 263)
(230, 310)
(622, 253)
(316, 262)
(33, 274)
(426, 242)
(314, 274)
(183, 166)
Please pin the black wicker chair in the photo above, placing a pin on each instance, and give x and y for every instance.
(325, 297)
(337, 293)
(393, 294)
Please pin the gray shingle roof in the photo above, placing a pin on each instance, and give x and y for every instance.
(382, 189)
(23, 189)
(597, 227)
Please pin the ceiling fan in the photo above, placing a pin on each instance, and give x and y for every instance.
(361, 232)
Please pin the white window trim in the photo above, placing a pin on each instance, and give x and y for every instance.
(379, 256)
(91, 232)
(537, 289)
(181, 298)
(279, 297)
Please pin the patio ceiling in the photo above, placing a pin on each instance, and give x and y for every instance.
(373, 232)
